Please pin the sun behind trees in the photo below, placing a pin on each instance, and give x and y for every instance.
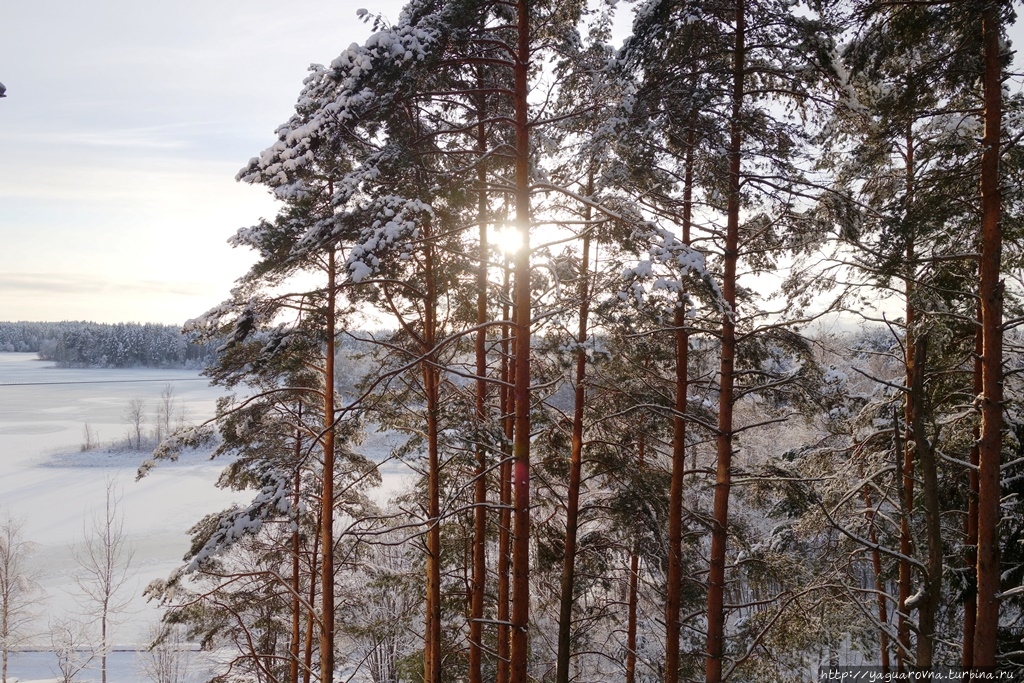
(630, 460)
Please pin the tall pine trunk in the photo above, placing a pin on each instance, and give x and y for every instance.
(724, 441)
(910, 419)
(327, 492)
(521, 439)
(476, 612)
(293, 648)
(634, 577)
(932, 594)
(507, 408)
(432, 632)
(991, 296)
(674, 578)
(876, 566)
(572, 503)
(307, 661)
(971, 524)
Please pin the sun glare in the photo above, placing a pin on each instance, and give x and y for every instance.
(507, 238)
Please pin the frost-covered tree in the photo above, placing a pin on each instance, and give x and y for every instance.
(607, 376)
(71, 647)
(88, 344)
(104, 571)
(135, 416)
(275, 440)
(379, 607)
(168, 658)
(915, 168)
(162, 419)
(274, 327)
(730, 92)
(405, 110)
(19, 594)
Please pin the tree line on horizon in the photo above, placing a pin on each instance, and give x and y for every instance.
(81, 344)
(634, 459)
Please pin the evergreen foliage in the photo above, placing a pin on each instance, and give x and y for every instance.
(632, 461)
(79, 344)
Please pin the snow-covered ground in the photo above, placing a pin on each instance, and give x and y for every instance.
(54, 488)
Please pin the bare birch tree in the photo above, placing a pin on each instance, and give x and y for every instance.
(168, 659)
(18, 593)
(105, 568)
(135, 416)
(71, 647)
(164, 413)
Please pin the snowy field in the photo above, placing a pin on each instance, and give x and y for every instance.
(54, 487)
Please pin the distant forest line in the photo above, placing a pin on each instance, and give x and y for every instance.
(81, 344)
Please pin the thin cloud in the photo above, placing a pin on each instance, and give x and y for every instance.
(73, 283)
(136, 138)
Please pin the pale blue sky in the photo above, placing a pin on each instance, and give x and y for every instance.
(123, 128)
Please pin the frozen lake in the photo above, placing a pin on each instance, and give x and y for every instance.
(54, 488)
(123, 666)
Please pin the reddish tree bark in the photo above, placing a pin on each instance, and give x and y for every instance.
(432, 646)
(327, 493)
(521, 439)
(476, 612)
(991, 299)
(724, 441)
(907, 471)
(307, 660)
(507, 408)
(674, 577)
(293, 649)
(932, 593)
(876, 565)
(572, 503)
(634, 579)
(971, 524)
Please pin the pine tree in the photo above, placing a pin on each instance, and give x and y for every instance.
(908, 65)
